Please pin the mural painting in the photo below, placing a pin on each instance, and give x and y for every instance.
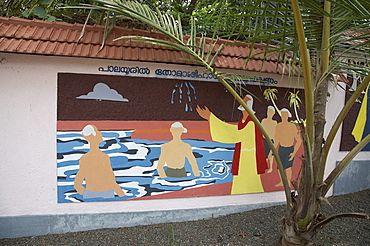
(356, 124)
(130, 138)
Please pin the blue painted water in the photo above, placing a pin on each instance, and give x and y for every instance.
(134, 163)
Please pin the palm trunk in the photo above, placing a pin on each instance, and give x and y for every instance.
(293, 234)
(296, 114)
(305, 209)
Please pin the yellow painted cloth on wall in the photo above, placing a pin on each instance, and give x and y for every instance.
(247, 180)
(359, 127)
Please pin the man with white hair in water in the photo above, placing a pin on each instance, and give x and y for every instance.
(95, 169)
(173, 155)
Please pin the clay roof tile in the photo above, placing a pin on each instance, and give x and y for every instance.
(116, 52)
(10, 30)
(43, 47)
(79, 49)
(60, 48)
(73, 35)
(4, 43)
(94, 51)
(57, 38)
(37, 33)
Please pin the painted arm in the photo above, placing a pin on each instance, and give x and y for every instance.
(116, 186)
(112, 178)
(193, 162)
(205, 113)
(118, 189)
(296, 146)
(224, 132)
(161, 163)
(276, 138)
(220, 131)
(79, 179)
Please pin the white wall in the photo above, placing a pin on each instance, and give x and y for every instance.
(28, 93)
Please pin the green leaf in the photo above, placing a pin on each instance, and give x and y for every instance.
(50, 18)
(39, 11)
(191, 60)
(46, 2)
(26, 13)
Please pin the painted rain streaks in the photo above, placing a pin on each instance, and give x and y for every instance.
(184, 92)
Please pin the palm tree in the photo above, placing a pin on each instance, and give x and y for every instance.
(270, 94)
(295, 101)
(320, 37)
(316, 37)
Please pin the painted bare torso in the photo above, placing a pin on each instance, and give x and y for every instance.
(269, 126)
(286, 133)
(175, 153)
(97, 171)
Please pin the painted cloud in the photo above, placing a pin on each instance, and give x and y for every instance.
(102, 91)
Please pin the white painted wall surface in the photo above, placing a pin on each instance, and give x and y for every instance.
(28, 107)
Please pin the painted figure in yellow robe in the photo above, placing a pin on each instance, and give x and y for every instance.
(249, 148)
(95, 169)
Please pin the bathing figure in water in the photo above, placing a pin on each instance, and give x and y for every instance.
(95, 169)
(173, 155)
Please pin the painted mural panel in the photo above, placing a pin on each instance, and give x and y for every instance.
(123, 138)
(356, 125)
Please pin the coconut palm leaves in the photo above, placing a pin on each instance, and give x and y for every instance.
(295, 102)
(270, 95)
(319, 37)
(276, 26)
(320, 40)
(202, 50)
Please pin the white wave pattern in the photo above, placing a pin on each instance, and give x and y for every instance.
(141, 149)
(68, 196)
(205, 175)
(134, 185)
(70, 157)
(213, 150)
(217, 168)
(61, 170)
(141, 153)
(135, 171)
(67, 183)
